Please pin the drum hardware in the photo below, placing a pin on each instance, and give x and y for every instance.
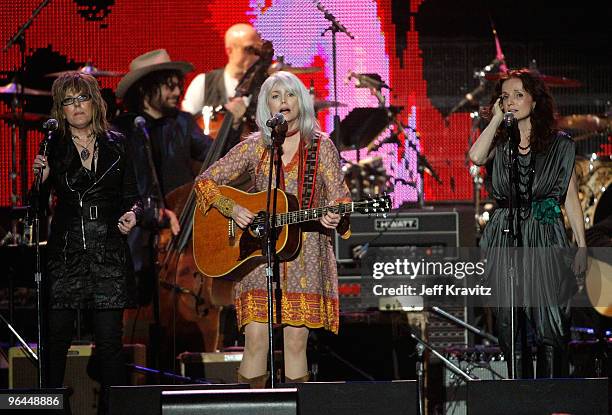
(371, 122)
(88, 69)
(367, 80)
(321, 104)
(594, 176)
(280, 65)
(24, 117)
(14, 88)
(585, 122)
(368, 177)
(551, 81)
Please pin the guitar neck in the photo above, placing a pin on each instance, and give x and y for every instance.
(306, 215)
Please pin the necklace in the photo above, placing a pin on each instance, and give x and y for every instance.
(524, 148)
(528, 145)
(85, 153)
(292, 132)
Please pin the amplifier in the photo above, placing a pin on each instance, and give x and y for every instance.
(482, 363)
(84, 400)
(401, 228)
(218, 367)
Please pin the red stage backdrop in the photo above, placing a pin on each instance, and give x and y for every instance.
(109, 34)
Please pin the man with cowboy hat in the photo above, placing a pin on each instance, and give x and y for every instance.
(151, 90)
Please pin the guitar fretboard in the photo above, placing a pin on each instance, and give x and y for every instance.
(306, 215)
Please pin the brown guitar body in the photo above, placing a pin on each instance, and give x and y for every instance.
(216, 250)
(215, 123)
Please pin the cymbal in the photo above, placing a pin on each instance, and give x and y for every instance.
(559, 81)
(321, 104)
(280, 66)
(585, 122)
(26, 117)
(14, 89)
(88, 69)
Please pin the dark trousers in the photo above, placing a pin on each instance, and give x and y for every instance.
(108, 365)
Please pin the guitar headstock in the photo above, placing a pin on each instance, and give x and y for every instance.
(373, 205)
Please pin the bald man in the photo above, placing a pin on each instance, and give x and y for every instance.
(218, 87)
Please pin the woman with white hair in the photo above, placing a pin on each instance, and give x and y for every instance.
(309, 282)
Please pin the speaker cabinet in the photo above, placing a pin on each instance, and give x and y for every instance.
(84, 400)
(538, 396)
(363, 398)
(230, 402)
(146, 399)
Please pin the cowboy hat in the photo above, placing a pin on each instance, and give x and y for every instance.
(155, 60)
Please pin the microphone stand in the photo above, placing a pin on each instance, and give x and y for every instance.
(512, 237)
(420, 346)
(35, 206)
(273, 262)
(465, 325)
(153, 202)
(422, 162)
(335, 27)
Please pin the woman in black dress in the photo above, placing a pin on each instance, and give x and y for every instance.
(544, 180)
(88, 266)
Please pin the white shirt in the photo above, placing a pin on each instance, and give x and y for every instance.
(193, 101)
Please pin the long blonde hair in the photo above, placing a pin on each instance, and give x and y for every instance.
(308, 124)
(79, 83)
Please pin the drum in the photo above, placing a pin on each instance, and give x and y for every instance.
(594, 180)
(366, 178)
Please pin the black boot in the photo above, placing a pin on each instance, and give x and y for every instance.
(552, 362)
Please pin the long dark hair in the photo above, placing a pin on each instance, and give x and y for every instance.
(543, 115)
(79, 82)
(149, 86)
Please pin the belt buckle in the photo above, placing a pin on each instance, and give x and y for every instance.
(93, 212)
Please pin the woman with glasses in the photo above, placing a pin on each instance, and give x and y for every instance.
(88, 264)
(535, 182)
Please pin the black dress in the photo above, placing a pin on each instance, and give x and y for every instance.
(544, 282)
(89, 264)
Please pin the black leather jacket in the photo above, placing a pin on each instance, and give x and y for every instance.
(105, 199)
(88, 262)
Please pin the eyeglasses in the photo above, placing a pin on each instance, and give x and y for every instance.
(171, 84)
(73, 100)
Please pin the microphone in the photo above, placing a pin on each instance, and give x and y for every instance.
(51, 124)
(367, 80)
(508, 119)
(335, 23)
(141, 123)
(276, 120)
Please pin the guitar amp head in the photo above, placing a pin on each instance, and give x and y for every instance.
(397, 229)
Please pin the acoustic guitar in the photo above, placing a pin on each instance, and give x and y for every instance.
(222, 249)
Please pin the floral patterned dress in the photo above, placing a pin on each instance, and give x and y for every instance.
(310, 281)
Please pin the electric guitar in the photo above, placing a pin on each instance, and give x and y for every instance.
(222, 249)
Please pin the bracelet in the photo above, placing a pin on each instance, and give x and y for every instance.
(225, 205)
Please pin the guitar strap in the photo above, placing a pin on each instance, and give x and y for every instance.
(308, 173)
